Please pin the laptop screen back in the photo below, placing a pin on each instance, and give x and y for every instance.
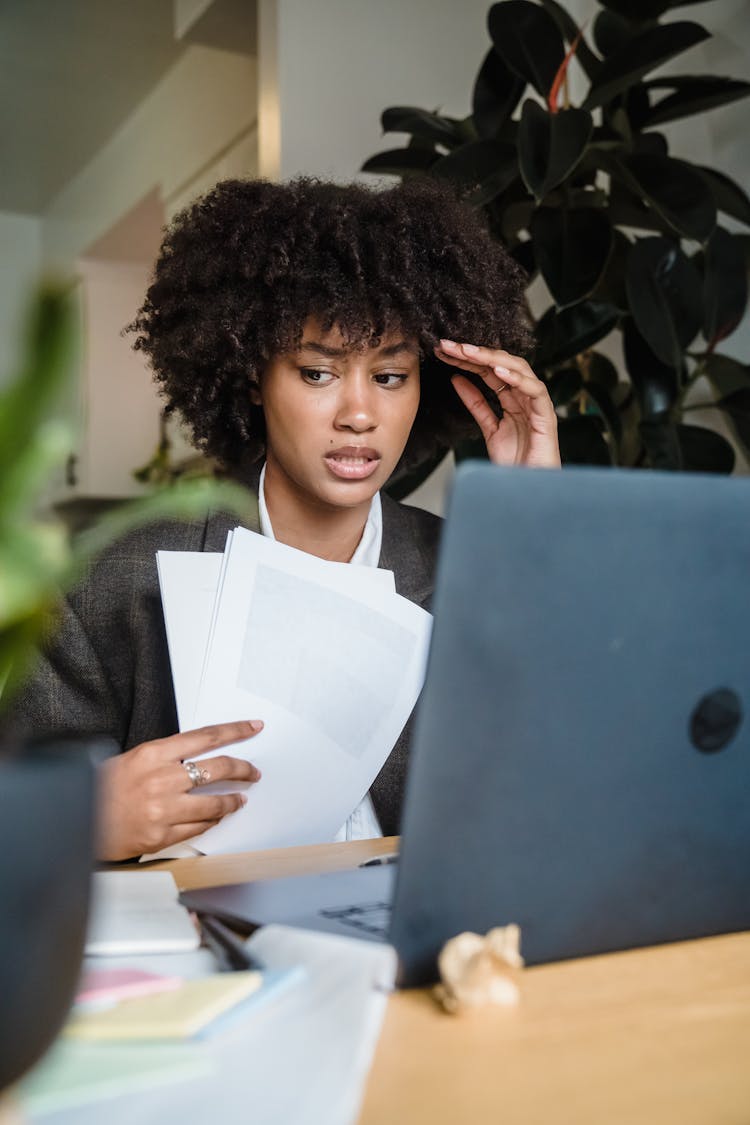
(582, 762)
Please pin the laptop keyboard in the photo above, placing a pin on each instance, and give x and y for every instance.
(372, 918)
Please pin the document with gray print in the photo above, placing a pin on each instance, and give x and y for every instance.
(332, 660)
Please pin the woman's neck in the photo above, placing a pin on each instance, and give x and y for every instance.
(298, 520)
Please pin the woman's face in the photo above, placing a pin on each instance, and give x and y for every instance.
(337, 420)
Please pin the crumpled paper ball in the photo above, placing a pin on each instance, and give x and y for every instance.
(476, 970)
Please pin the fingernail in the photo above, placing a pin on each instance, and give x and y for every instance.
(258, 774)
(243, 798)
(450, 343)
(256, 725)
(501, 371)
(472, 349)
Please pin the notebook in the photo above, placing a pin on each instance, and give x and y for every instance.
(138, 912)
(581, 760)
(179, 1013)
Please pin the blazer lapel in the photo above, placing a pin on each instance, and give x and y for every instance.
(401, 552)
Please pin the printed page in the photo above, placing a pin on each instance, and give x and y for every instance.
(332, 665)
(191, 584)
(188, 581)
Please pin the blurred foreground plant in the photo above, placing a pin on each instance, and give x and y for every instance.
(38, 557)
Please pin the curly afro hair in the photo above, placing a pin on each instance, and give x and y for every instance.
(242, 269)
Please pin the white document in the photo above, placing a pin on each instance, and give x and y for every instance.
(333, 665)
(137, 912)
(300, 1059)
(325, 1030)
(190, 583)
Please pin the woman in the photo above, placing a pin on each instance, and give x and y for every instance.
(309, 334)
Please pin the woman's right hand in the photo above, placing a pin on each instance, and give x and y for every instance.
(147, 800)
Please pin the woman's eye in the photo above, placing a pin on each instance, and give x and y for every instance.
(316, 378)
(390, 378)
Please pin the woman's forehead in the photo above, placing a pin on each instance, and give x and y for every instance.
(332, 342)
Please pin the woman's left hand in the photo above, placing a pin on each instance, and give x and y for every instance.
(527, 432)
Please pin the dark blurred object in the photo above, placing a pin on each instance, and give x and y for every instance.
(46, 858)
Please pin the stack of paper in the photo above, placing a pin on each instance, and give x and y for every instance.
(176, 1014)
(137, 912)
(326, 654)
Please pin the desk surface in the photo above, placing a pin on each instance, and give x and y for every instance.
(657, 1035)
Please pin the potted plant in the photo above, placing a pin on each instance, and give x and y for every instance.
(627, 238)
(47, 795)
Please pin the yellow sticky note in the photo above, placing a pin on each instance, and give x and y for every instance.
(167, 1015)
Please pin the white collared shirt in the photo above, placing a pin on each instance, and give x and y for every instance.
(362, 824)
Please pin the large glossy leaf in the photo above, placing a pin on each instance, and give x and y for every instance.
(550, 145)
(655, 383)
(726, 373)
(570, 32)
(421, 123)
(496, 183)
(692, 95)
(490, 163)
(497, 92)
(728, 195)
(401, 162)
(611, 32)
(528, 40)
(676, 191)
(704, 451)
(571, 247)
(611, 285)
(562, 334)
(724, 286)
(659, 435)
(582, 442)
(564, 385)
(664, 292)
(737, 406)
(640, 55)
(650, 144)
(643, 10)
(601, 370)
(627, 209)
(516, 218)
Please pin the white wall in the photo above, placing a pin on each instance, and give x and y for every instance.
(20, 260)
(204, 108)
(197, 126)
(120, 413)
(330, 69)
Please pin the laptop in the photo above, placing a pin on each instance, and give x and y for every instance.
(581, 760)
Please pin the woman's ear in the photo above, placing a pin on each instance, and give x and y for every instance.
(255, 397)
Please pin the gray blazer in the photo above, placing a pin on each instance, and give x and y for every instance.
(106, 670)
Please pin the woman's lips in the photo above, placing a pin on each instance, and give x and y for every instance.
(352, 463)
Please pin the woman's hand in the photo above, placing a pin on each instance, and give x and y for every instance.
(145, 798)
(527, 432)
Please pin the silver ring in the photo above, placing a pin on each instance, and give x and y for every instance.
(196, 773)
(501, 388)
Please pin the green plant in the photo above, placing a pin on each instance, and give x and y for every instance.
(37, 556)
(626, 237)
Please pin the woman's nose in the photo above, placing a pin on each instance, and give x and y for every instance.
(356, 408)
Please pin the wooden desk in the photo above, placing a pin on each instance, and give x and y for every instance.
(651, 1037)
